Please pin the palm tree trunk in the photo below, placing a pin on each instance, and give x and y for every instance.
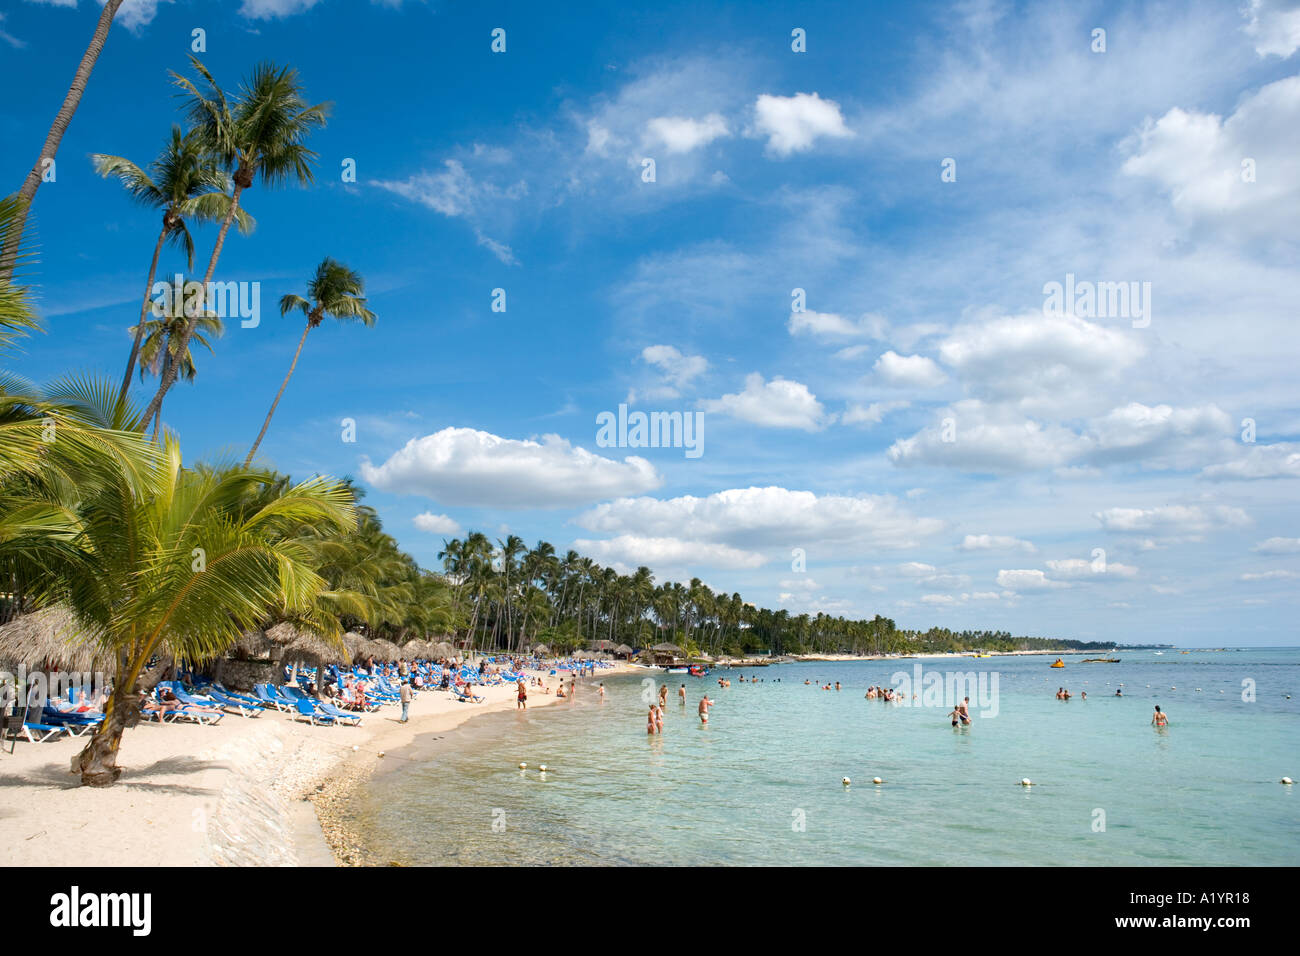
(169, 376)
(62, 119)
(144, 311)
(283, 385)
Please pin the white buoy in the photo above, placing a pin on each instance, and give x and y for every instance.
(523, 766)
(1026, 782)
(542, 768)
(846, 781)
(1288, 781)
(355, 747)
(381, 753)
(877, 781)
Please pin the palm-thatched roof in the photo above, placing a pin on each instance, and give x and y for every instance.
(667, 648)
(284, 633)
(253, 644)
(622, 649)
(416, 649)
(541, 649)
(382, 650)
(314, 649)
(442, 649)
(53, 637)
(355, 643)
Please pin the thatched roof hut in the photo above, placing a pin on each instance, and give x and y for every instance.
(253, 644)
(623, 651)
(541, 649)
(666, 648)
(441, 650)
(384, 650)
(665, 653)
(52, 637)
(355, 644)
(284, 633)
(416, 650)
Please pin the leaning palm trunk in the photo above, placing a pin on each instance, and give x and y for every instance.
(97, 762)
(278, 395)
(169, 374)
(144, 312)
(9, 254)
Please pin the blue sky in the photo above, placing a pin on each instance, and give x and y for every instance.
(942, 447)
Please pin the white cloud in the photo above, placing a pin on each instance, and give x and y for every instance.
(830, 325)
(1173, 520)
(908, 371)
(273, 9)
(768, 518)
(872, 414)
(915, 569)
(780, 403)
(682, 134)
(1027, 580)
(679, 371)
(1278, 546)
(9, 38)
(1274, 25)
(465, 467)
(635, 550)
(994, 542)
(1275, 575)
(1197, 158)
(984, 439)
(793, 123)
(436, 524)
(1279, 460)
(1085, 568)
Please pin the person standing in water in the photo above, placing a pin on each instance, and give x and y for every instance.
(521, 696)
(659, 720)
(602, 693)
(650, 721)
(681, 693)
(705, 704)
(1159, 718)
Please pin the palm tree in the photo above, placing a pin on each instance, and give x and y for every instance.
(9, 247)
(185, 182)
(155, 560)
(17, 316)
(262, 133)
(335, 291)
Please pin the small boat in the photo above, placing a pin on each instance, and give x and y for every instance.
(1101, 660)
(678, 670)
(1059, 663)
(697, 670)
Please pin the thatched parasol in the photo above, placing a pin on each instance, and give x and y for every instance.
(383, 650)
(441, 650)
(356, 645)
(313, 649)
(622, 649)
(416, 649)
(541, 649)
(253, 644)
(53, 637)
(284, 633)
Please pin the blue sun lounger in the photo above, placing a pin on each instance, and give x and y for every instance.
(327, 707)
(268, 696)
(308, 710)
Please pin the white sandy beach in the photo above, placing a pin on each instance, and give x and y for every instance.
(230, 794)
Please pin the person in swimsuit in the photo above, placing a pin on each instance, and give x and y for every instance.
(521, 698)
(955, 714)
(663, 695)
(963, 710)
(659, 720)
(1159, 718)
(602, 692)
(681, 693)
(705, 704)
(650, 721)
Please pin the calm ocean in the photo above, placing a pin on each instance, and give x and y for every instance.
(761, 783)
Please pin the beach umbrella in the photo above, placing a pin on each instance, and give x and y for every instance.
(416, 649)
(310, 648)
(53, 637)
(283, 633)
(541, 649)
(623, 650)
(441, 649)
(252, 644)
(355, 644)
(386, 650)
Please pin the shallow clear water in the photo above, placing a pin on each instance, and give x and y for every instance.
(1203, 791)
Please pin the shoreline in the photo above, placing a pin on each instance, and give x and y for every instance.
(263, 791)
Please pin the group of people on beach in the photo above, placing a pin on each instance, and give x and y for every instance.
(655, 717)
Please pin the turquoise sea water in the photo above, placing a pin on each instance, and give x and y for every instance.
(761, 783)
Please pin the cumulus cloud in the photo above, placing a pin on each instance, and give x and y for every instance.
(780, 403)
(986, 439)
(437, 524)
(679, 371)
(793, 123)
(768, 518)
(1091, 569)
(465, 467)
(273, 9)
(830, 326)
(995, 542)
(873, 414)
(1279, 460)
(1245, 168)
(635, 550)
(1275, 575)
(679, 134)
(1274, 25)
(1027, 580)
(908, 371)
(1173, 520)
(1278, 546)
